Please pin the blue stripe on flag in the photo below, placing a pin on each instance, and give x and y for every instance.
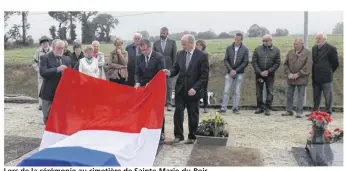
(70, 156)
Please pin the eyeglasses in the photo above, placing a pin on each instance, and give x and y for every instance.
(265, 40)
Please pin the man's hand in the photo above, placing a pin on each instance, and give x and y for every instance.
(61, 68)
(265, 73)
(192, 92)
(233, 73)
(137, 85)
(168, 73)
(294, 76)
(290, 76)
(118, 51)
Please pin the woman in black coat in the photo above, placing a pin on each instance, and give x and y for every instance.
(201, 45)
(76, 56)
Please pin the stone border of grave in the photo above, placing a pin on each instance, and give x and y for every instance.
(212, 130)
(19, 98)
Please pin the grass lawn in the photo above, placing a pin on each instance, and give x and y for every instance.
(20, 78)
(216, 47)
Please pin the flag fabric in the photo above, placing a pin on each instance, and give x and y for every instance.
(94, 122)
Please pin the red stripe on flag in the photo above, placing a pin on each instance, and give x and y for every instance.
(86, 103)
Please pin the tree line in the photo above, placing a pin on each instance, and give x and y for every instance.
(98, 26)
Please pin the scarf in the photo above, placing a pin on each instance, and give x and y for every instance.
(95, 54)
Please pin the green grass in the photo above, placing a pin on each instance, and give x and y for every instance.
(216, 47)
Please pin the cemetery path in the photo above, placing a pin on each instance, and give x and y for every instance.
(270, 138)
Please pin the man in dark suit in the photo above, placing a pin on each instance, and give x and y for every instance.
(51, 67)
(148, 64)
(325, 62)
(192, 66)
(133, 51)
(168, 48)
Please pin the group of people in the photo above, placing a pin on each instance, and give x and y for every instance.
(141, 61)
(321, 62)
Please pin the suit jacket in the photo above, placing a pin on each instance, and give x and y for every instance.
(145, 73)
(325, 62)
(131, 52)
(51, 77)
(169, 52)
(195, 76)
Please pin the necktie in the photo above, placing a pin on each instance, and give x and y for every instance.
(147, 61)
(188, 59)
(163, 45)
(58, 59)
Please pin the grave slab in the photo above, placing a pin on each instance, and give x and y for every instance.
(208, 155)
(326, 154)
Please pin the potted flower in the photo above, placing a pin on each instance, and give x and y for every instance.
(318, 144)
(320, 121)
(212, 130)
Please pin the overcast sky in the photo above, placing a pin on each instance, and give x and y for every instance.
(40, 22)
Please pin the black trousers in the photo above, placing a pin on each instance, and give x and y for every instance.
(119, 81)
(205, 98)
(182, 101)
(131, 79)
(269, 82)
(327, 89)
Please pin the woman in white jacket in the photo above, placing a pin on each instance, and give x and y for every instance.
(89, 65)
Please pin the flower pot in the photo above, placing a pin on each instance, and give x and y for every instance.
(317, 135)
(209, 140)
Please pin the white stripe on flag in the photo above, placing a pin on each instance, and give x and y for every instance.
(130, 149)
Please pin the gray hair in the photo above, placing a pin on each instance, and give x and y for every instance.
(138, 34)
(189, 37)
(58, 42)
(268, 36)
(54, 42)
(322, 34)
(95, 42)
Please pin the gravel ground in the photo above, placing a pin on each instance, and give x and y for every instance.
(273, 135)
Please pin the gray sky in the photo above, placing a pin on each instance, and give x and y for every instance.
(195, 21)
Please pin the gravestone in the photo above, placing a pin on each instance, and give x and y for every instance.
(325, 154)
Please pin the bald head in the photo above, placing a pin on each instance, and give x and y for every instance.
(298, 44)
(267, 40)
(137, 38)
(188, 42)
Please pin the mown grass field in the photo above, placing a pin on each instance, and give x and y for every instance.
(21, 78)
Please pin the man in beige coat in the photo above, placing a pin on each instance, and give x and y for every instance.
(297, 68)
(100, 58)
(42, 50)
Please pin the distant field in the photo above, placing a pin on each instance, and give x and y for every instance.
(21, 78)
(216, 47)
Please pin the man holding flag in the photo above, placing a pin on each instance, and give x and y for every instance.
(148, 64)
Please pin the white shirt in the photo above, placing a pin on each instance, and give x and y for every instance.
(89, 69)
(236, 48)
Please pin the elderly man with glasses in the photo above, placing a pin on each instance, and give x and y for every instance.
(265, 61)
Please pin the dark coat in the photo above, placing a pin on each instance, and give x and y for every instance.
(266, 58)
(75, 60)
(131, 64)
(68, 53)
(324, 63)
(242, 58)
(51, 78)
(145, 73)
(195, 76)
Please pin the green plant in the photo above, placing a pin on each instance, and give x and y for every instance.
(213, 125)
